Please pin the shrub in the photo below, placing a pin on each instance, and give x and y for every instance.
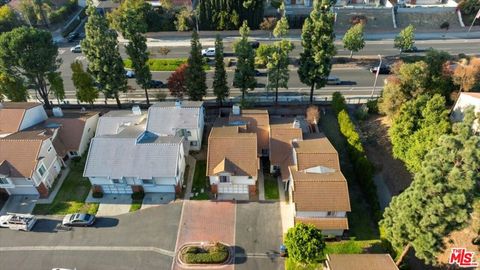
(138, 195)
(97, 191)
(160, 96)
(338, 102)
(445, 25)
(210, 255)
(358, 19)
(372, 106)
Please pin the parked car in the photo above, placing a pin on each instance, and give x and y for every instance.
(208, 52)
(413, 49)
(156, 84)
(19, 222)
(130, 74)
(78, 219)
(72, 36)
(254, 44)
(332, 80)
(383, 69)
(76, 49)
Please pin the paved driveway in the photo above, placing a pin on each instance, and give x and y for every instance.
(114, 205)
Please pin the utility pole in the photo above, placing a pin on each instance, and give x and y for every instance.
(376, 76)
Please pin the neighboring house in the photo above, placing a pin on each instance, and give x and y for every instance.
(318, 190)
(17, 116)
(359, 262)
(29, 163)
(465, 100)
(180, 118)
(256, 121)
(232, 162)
(125, 157)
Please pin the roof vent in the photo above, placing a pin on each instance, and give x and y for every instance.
(57, 112)
(178, 103)
(136, 110)
(296, 123)
(236, 110)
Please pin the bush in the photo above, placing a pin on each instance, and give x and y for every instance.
(372, 106)
(210, 255)
(162, 64)
(97, 191)
(356, 19)
(338, 103)
(445, 25)
(138, 195)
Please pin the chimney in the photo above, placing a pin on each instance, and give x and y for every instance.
(178, 103)
(296, 123)
(236, 110)
(136, 110)
(57, 112)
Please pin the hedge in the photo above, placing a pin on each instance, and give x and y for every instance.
(162, 64)
(364, 169)
(211, 255)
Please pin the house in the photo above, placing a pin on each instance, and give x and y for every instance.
(125, 157)
(464, 100)
(256, 121)
(232, 162)
(29, 163)
(318, 191)
(180, 118)
(359, 262)
(17, 116)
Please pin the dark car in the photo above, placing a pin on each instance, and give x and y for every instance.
(130, 74)
(78, 219)
(254, 44)
(411, 50)
(383, 70)
(156, 84)
(72, 36)
(257, 73)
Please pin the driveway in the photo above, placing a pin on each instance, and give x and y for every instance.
(23, 204)
(114, 205)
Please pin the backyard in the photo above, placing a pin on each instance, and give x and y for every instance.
(71, 196)
(271, 187)
(200, 186)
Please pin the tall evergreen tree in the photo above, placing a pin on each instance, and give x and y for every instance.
(220, 86)
(195, 77)
(84, 83)
(318, 46)
(439, 200)
(100, 47)
(244, 77)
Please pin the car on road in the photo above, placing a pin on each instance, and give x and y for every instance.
(383, 69)
(78, 219)
(332, 80)
(413, 49)
(208, 52)
(156, 84)
(72, 36)
(254, 44)
(130, 74)
(76, 49)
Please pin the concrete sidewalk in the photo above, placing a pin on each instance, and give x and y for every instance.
(286, 211)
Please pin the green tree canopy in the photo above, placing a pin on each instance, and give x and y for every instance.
(195, 77)
(220, 85)
(305, 243)
(130, 17)
(318, 47)
(439, 200)
(8, 19)
(84, 83)
(13, 88)
(353, 39)
(405, 39)
(30, 53)
(244, 77)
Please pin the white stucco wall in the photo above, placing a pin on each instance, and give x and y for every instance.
(88, 133)
(235, 180)
(33, 116)
(48, 157)
(462, 103)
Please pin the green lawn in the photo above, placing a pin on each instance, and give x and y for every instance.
(290, 264)
(271, 187)
(136, 205)
(71, 196)
(354, 247)
(200, 181)
(162, 64)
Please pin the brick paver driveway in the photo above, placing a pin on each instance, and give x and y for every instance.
(205, 221)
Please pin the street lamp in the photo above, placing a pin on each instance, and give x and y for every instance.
(376, 76)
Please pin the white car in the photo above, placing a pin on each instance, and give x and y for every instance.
(208, 52)
(332, 80)
(76, 49)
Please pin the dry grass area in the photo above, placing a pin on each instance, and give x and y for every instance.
(379, 151)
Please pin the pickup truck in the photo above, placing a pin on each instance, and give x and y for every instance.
(19, 222)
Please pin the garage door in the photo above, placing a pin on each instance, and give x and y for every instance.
(23, 191)
(233, 189)
(117, 189)
(159, 188)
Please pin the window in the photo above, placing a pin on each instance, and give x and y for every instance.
(147, 181)
(117, 181)
(223, 179)
(4, 181)
(189, 133)
(73, 153)
(193, 143)
(42, 170)
(330, 214)
(49, 149)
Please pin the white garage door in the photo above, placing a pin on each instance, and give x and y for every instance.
(117, 189)
(159, 189)
(23, 191)
(233, 188)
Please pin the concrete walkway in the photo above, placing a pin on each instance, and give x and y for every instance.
(191, 161)
(286, 211)
(383, 193)
(261, 184)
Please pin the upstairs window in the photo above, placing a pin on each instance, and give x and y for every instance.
(42, 170)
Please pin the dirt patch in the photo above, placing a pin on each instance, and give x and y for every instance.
(374, 132)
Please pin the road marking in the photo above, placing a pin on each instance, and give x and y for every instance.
(89, 248)
(61, 51)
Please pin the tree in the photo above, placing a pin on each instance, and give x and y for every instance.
(84, 83)
(13, 88)
(131, 14)
(405, 39)
(35, 11)
(30, 53)
(228, 14)
(105, 64)
(262, 54)
(281, 28)
(56, 85)
(467, 75)
(318, 47)
(439, 72)
(176, 82)
(220, 86)
(417, 128)
(8, 19)
(268, 24)
(183, 21)
(353, 39)
(244, 77)
(439, 200)
(195, 77)
(305, 243)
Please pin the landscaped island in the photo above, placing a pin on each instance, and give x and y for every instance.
(211, 253)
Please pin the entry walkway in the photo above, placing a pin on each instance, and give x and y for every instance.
(285, 208)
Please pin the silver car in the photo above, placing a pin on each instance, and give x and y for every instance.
(78, 219)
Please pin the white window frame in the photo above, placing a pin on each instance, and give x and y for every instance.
(148, 182)
(117, 181)
(38, 170)
(6, 180)
(226, 177)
